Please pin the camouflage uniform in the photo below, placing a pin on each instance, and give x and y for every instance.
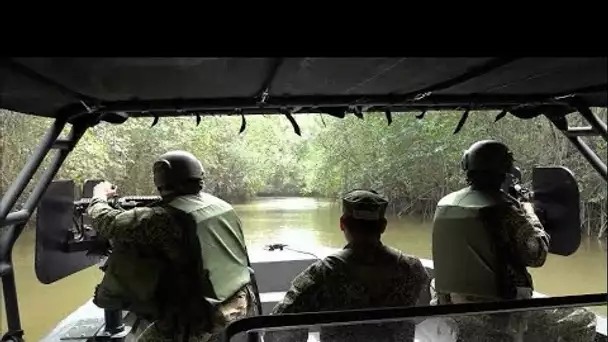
(241, 305)
(355, 278)
(553, 325)
(523, 233)
(152, 228)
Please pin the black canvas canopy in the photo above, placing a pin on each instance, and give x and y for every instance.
(87, 91)
(170, 86)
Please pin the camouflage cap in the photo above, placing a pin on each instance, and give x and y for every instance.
(365, 205)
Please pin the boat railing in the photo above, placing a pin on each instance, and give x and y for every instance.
(537, 307)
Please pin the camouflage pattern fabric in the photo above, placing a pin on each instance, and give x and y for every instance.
(490, 328)
(557, 325)
(355, 279)
(561, 325)
(554, 325)
(364, 205)
(241, 305)
(523, 233)
(153, 228)
(150, 226)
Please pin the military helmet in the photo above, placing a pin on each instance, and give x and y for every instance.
(488, 156)
(176, 167)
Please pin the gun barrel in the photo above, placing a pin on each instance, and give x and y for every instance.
(140, 199)
(84, 202)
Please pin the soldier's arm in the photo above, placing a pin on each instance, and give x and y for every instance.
(421, 284)
(526, 230)
(301, 297)
(414, 282)
(138, 224)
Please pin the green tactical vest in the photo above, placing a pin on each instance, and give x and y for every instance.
(464, 253)
(132, 280)
(220, 242)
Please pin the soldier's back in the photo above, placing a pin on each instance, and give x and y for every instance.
(371, 278)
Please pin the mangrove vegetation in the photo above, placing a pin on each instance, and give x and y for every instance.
(414, 162)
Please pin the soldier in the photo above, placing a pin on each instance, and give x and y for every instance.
(162, 266)
(365, 274)
(484, 240)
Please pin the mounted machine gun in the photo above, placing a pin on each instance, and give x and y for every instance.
(67, 243)
(82, 237)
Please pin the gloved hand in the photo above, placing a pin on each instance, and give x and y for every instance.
(528, 207)
(104, 190)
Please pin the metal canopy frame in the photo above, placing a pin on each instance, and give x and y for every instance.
(317, 104)
(15, 221)
(574, 134)
(90, 112)
(81, 120)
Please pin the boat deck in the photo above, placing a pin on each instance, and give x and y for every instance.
(88, 319)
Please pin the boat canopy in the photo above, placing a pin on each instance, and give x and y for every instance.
(525, 87)
(86, 91)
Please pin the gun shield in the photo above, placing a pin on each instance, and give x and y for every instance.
(557, 202)
(87, 187)
(54, 223)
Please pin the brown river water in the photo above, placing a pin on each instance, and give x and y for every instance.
(302, 223)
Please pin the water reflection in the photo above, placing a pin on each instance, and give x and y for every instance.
(286, 204)
(302, 223)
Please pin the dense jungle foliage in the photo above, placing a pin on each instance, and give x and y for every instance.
(414, 162)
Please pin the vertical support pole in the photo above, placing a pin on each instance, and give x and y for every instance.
(591, 156)
(113, 320)
(562, 124)
(12, 232)
(594, 121)
(11, 304)
(10, 235)
(23, 178)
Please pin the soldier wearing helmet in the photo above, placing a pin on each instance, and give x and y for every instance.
(365, 274)
(162, 267)
(484, 239)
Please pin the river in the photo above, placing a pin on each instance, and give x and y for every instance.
(302, 223)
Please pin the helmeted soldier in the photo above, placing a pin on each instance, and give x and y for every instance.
(180, 264)
(484, 239)
(365, 274)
